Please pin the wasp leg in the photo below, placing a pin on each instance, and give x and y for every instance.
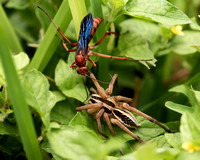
(107, 32)
(132, 109)
(114, 57)
(118, 123)
(92, 62)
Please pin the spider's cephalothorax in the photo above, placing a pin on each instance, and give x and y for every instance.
(114, 110)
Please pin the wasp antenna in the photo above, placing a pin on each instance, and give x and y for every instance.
(48, 16)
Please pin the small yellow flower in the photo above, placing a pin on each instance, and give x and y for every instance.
(177, 30)
(190, 147)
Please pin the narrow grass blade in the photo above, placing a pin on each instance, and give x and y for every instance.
(50, 41)
(103, 62)
(13, 42)
(17, 97)
(78, 10)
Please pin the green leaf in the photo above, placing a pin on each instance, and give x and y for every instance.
(38, 95)
(197, 48)
(160, 141)
(167, 153)
(8, 129)
(157, 10)
(194, 25)
(63, 112)
(149, 31)
(149, 150)
(69, 82)
(190, 131)
(188, 92)
(174, 139)
(132, 44)
(70, 143)
(59, 96)
(18, 4)
(188, 156)
(116, 6)
(183, 44)
(21, 60)
(178, 107)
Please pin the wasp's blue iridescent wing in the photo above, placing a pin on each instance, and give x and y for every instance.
(85, 34)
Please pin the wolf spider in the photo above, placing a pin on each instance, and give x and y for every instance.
(114, 109)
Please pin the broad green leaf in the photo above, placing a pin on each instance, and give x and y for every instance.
(19, 4)
(63, 112)
(197, 48)
(157, 10)
(70, 143)
(190, 131)
(116, 6)
(38, 95)
(148, 30)
(21, 60)
(69, 81)
(8, 129)
(174, 139)
(132, 44)
(167, 153)
(149, 150)
(178, 107)
(188, 156)
(184, 44)
(160, 141)
(194, 25)
(188, 92)
(59, 96)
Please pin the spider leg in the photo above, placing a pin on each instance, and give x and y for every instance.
(106, 118)
(93, 90)
(122, 98)
(109, 90)
(91, 108)
(132, 109)
(107, 32)
(98, 116)
(100, 90)
(118, 123)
